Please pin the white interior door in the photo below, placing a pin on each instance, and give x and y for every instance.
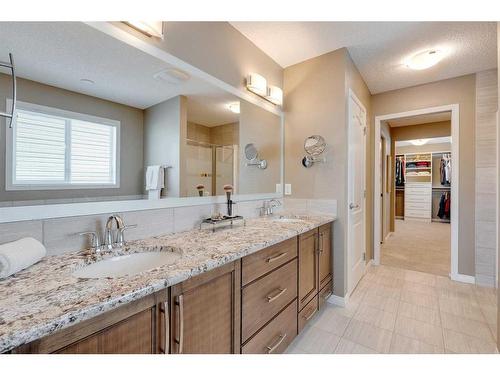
(356, 192)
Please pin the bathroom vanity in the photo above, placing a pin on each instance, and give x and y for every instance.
(247, 297)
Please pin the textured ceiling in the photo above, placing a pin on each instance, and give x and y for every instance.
(379, 49)
(61, 53)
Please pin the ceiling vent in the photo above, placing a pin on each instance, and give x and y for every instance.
(173, 76)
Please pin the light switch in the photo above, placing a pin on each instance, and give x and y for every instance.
(288, 189)
(279, 189)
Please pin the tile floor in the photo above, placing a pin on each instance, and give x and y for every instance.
(418, 246)
(393, 310)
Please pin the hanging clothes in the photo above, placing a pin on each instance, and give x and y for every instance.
(445, 169)
(444, 206)
(400, 171)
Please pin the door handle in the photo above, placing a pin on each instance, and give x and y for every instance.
(352, 206)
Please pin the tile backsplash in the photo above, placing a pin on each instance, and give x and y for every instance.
(61, 235)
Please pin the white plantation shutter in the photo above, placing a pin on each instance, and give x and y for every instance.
(40, 148)
(60, 151)
(92, 153)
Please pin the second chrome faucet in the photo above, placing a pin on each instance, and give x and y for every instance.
(113, 235)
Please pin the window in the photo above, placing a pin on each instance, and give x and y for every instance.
(49, 148)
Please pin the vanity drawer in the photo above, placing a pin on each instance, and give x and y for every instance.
(276, 336)
(255, 265)
(307, 313)
(264, 298)
(325, 293)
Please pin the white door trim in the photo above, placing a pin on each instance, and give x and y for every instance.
(353, 96)
(455, 131)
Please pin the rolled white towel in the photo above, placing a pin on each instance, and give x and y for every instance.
(18, 255)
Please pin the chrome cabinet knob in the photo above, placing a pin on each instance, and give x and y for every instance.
(353, 206)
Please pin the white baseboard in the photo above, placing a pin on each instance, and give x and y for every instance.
(463, 278)
(338, 301)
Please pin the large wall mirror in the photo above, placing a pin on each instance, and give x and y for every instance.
(93, 113)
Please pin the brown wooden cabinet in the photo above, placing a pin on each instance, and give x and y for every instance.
(128, 329)
(308, 267)
(325, 263)
(254, 305)
(315, 271)
(205, 312)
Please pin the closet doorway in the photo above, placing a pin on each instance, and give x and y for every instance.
(422, 223)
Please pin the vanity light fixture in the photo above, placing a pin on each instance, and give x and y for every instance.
(424, 60)
(149, 28)
(257, 84)
(274, 95)
(419, 142)
(234, 107)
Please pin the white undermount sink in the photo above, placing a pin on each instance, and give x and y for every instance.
(124, 265)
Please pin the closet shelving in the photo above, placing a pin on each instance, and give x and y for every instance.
(418, 196)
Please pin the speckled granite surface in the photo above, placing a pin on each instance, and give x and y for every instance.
(46, 297)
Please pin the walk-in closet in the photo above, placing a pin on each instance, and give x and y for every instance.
(417, 195)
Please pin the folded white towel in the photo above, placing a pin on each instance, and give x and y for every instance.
(155, 177)
(18, 255)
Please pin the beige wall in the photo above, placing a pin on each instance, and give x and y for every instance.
(430, 147)
(131, 129)
(263, 129)
(485, 156)
(224, 135)
(430, 130)
(218, 49)
(316, 103)
(460, 90)
(386, 206)
(498, 184)
(165, 126)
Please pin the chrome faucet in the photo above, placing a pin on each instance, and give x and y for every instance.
(268, 207)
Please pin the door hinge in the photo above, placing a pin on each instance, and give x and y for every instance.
(364, 130)
(364, 256)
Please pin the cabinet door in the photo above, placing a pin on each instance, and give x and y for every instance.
(134, 335)
(325, 255)
(205, 312)
(308, 267)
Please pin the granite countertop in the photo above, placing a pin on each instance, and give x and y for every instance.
(46, 297)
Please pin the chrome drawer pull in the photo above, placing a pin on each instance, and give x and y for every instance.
(180, 340)
(165, 320)
(281, 338)
(307, 318)
(277, 295)
(279, 256)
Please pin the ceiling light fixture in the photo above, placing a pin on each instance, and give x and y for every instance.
(424, 60)
(150, 28)
(234, 107)
(419, 142)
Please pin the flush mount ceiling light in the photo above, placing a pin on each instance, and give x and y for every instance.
(150, 28)
(257, 84)
(234, 107)
(424, 60)
(274, 95)
(418, 142)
